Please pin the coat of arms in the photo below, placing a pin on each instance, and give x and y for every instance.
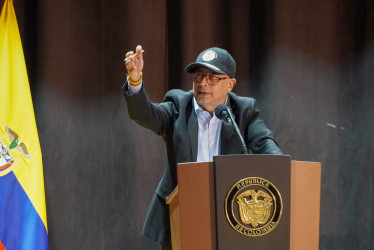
(253, 206)
(10, 141)
(256, 209)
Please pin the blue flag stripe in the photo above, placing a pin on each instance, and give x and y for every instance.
(20, 225)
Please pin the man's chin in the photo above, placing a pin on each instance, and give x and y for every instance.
(203, 104)
(202, 101)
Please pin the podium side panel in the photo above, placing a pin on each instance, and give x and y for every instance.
(305, 205)
(197, 205)
(173, 202)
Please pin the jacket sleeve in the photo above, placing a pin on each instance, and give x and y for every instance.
(157, 117)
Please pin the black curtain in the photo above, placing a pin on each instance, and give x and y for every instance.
(310, 65)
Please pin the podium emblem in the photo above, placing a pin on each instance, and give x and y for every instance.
(253, 206)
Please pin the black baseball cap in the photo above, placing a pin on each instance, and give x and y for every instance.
(216, 59)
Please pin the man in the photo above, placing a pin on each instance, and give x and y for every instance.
(187, 123)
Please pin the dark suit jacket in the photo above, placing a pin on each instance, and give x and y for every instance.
(176, 121)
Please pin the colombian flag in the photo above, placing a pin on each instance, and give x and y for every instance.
(23, 220)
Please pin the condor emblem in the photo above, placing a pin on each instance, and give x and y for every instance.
(253, 206)
(11, 149)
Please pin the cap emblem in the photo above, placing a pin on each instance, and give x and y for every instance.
(209, 55)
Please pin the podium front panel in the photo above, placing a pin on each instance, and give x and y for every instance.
(253, 201)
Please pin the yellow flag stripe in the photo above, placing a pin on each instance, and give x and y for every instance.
(17, 111)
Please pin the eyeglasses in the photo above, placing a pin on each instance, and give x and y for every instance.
(211, 79)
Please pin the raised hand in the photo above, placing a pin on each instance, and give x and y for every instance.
(134, 64)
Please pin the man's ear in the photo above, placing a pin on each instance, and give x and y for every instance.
(232, 83)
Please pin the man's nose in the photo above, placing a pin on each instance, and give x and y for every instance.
(204, 80)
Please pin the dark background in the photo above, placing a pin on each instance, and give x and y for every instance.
(310, 64)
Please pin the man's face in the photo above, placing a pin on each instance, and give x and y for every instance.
(208, 94)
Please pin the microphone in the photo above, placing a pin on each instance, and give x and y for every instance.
(223, 112)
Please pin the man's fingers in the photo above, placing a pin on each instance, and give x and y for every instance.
(128, 66)
(139, 52)
(129, 53)
(134, 62)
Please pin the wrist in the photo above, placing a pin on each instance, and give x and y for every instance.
(135, 83)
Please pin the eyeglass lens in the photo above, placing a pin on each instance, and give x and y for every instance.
(197, 78)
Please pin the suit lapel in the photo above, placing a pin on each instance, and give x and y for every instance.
(227, 132)
(193, 132)
(226, 135)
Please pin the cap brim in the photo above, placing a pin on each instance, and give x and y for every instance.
(191, 67)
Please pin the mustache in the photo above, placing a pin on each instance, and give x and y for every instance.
(202, 90)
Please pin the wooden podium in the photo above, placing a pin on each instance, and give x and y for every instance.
(206, 211)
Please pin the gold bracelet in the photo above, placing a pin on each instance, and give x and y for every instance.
(135, 83)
